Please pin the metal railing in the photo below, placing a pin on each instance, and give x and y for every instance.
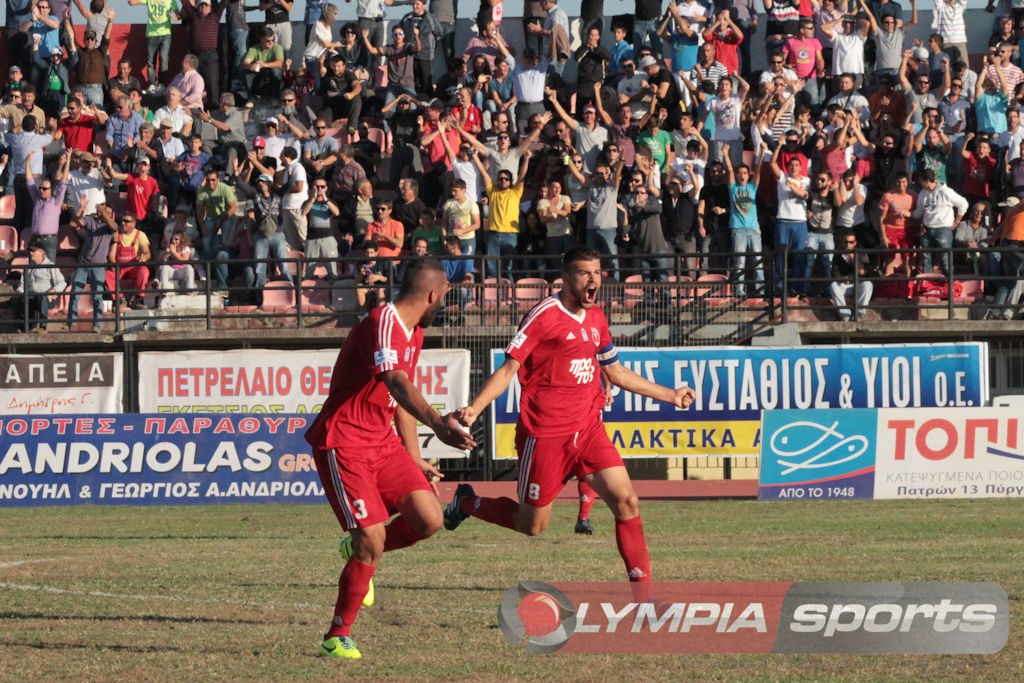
(672, 298)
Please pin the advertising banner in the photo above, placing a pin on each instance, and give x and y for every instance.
(893, 453)
(734, 384)
(276, 381)
(156, 460)
(54, 384)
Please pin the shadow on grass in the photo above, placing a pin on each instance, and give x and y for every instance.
(61, 645)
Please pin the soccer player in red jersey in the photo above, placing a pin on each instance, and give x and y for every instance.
(560, 352)
(368, 471)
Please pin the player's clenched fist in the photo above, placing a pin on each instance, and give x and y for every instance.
(466, 416)
(684, 397)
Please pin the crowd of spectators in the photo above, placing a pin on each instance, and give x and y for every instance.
(668, 148)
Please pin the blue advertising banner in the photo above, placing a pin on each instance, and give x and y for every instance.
(734, 384)
(818, 454)
(150, 459)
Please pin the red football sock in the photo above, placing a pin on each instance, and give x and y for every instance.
(498, 511)
(587, 496)
(352, 587)
(629, 536)
(400, 535)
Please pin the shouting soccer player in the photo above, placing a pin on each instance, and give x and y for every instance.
(367, 470)
(560, 352)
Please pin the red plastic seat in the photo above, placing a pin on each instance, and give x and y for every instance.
(278, 297)
(314, 296)
(715, 290)
(495, 289)
(530, 291)
(7, 204)
(8, 235)
(633, 295)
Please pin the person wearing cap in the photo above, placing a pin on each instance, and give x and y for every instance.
(54, 77)
(203, 20)
(77, 127)
(189, 83)
(848, 45)
(1009, 236)
(262, 66)
(274, 143)
(591, 137)
(91, 69)
(95, 233)
(528, 79)
(176, 112)
(46, 203)
(143, 197)
(168, 147)
(38, 288)
(85, 186)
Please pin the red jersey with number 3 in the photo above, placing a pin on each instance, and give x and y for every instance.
(560, 356)
(359, 409)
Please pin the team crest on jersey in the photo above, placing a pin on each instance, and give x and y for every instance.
(582, 369)
(385, 356)
(596, 336)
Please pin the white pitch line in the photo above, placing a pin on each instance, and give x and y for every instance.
(18, 563)
(249, 603)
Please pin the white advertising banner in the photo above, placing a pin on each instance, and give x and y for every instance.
(53, 384)
(276, 381)
(950, 453)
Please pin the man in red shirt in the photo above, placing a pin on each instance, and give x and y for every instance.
(726, 36)
(368, 471)
(143, 194)
(562, 350)
(77, 127)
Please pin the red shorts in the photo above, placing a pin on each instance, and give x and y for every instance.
(898, 238)
(363, 493)
(547, 462)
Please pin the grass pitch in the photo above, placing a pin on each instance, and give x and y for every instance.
(245, 592)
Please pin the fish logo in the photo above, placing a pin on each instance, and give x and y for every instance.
(809, 445)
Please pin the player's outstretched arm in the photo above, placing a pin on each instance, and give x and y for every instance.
(624, 378)
(494, 387)
(411, 400)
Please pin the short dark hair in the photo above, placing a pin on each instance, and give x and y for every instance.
(452, 240)
(928, 175)
(579, 254)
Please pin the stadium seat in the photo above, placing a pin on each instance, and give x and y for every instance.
(7, 203)
(556, 286)
(314, 296)
(610, 293)
(278, 297)
(715, 290)
(8, 235)
(680, 291)
(495, 289)
(293, 266)
(378, 136)
(633, 295)
(530, 291)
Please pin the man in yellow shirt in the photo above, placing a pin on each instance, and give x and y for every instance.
(502, 230)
